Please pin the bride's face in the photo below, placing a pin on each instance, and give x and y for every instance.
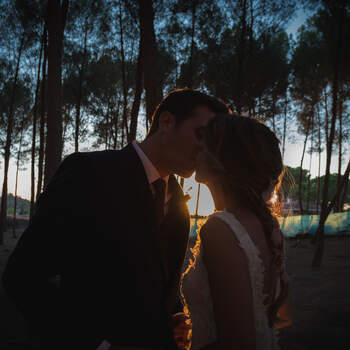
(203, 173)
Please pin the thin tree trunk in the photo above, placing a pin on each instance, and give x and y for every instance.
(108, 134)
(116, 127)
(7, 148)
(125, 88)
(16, 184)
(197, 201)
(80, 88)
(284, 128)
(42, 118)
(308, 195)
(340, 153)
(319, 162)
(57, 14)
(326, 117)
(35, 117)
(301, 172)
(239, 83)
(137, 98)
(329, 207)
(338, 26)
(150, 58)
(66, 114)
(193, 26)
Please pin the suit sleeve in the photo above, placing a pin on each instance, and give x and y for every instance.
(37, 259)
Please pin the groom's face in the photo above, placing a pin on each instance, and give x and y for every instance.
(185, 140)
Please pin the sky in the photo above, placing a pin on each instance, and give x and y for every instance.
(206, 206)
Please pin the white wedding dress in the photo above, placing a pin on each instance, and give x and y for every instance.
(195, 287)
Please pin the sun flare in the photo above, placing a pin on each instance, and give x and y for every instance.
(274, 197)
(205, 204)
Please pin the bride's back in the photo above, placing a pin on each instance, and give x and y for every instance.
(255, 230)
(241, 164)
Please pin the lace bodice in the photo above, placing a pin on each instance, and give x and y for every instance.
(196, 290)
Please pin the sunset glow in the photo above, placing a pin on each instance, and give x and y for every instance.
(274, 197)
(206, 203)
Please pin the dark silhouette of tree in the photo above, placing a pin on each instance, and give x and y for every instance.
(336, 12)
(150, 57)
(43, 97)
(56, 20)
(34, 132)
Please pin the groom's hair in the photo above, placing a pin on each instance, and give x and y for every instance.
(182, 103)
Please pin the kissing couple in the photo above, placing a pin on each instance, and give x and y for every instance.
(101, 263)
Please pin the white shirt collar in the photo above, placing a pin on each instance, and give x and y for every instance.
(151, 171)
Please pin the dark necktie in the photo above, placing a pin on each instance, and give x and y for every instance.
(159, 198)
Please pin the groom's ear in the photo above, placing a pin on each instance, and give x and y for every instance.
(166, 121)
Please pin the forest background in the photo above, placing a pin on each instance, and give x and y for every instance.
(84, 75)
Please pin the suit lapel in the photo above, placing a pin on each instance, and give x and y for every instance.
(175, 230)
(140, 200)
(169, 241)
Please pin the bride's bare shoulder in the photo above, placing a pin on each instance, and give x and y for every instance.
(215, 228)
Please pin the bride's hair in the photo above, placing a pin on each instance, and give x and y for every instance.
(244, 154)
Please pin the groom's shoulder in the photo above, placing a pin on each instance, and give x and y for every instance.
(98, 163)
(93, 156)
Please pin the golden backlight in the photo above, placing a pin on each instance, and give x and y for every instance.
(274, 197)
(205, 204)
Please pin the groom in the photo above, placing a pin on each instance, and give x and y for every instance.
(100, 263)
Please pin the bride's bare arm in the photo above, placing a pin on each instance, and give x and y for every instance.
(230, 287)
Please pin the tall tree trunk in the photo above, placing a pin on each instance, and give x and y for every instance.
(308, 194)
(300, 197)
(284, 128)
(239, 85)
(108, 128)
(8, 142)
(80, 88)
(150, 58)
(197, 200)
(193, 26)
(324, 215)
(137, 98)
(57, 15)
(35, 117)
(326, 117)
(337, 20)
(319, 162)
(273, 123)
(274, 113)
(16, 183)
(42, 118)
(125, 87)
(338, 207)
(116, 128)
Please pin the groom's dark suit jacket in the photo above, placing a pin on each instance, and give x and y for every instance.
(93, 265)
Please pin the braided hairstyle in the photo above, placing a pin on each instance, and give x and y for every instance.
(245, 155)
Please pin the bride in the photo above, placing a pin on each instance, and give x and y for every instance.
(236, 290)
